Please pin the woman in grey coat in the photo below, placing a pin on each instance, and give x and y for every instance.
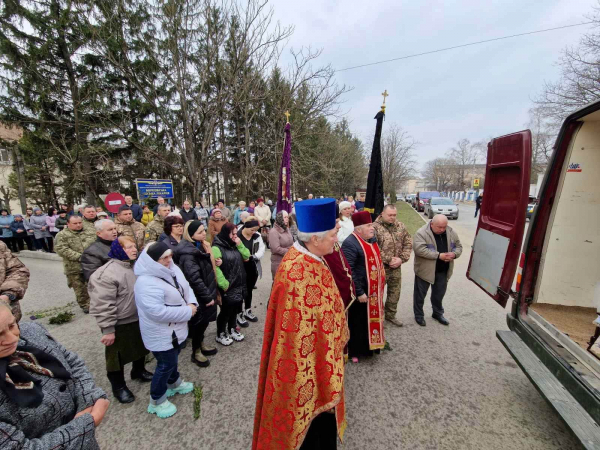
(41, 233)
(48, 398)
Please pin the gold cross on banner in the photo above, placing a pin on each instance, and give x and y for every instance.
(385, 94)
(287, 116)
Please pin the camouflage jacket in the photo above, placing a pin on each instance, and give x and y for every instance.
(155, 229)
(394, 240)
(14, 278)
(70, 245)
(89, 225)
(133, 229)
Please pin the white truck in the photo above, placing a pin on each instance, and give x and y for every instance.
(556, 298)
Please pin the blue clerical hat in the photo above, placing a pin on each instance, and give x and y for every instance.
(314, 216)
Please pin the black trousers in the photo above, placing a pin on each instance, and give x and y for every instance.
(251, 278)
(21, 239)
(322, 433)
(117, 379)
(47, 244)
(438, 290)
(10, 243)
(226, 318)
(197, 333)
(476, 210)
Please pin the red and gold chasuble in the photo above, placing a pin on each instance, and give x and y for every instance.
(302, 362)
(376, 282)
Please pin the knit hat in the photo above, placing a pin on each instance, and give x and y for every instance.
(117, 252)
(193, 227)
(158, 250)
(344, 205)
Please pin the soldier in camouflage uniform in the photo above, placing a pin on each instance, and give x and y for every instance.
(127, 226)
(70, 245)
(14, 278)
(157, 226)
(396, 246)
(90, 216)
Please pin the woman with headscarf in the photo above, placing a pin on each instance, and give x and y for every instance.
(42, 235)
(51, 221)
(280, 240)
(112, 303)
(231, 279)
(165, 305)
(194, 257)
(6, 234)
(215, 223)
(48, 398)
(173, 231)
(252, 240)
(346, 225)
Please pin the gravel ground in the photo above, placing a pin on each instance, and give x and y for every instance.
(439, 387)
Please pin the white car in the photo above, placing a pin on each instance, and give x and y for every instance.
(441, 205)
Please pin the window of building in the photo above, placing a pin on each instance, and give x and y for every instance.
(5, 156)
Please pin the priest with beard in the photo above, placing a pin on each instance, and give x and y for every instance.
(365, 315)
(300, 400)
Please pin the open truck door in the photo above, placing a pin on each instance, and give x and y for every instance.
(565, 375)
(501, 224)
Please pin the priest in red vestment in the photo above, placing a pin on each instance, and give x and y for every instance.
(366, 315)
(300, 400)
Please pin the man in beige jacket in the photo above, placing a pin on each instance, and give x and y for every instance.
(436, 247)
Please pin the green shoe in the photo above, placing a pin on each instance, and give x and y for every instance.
(164, 410)
(184, 388)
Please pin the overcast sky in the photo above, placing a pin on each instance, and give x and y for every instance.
(472, 93)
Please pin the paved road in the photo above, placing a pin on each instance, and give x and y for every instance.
(440, 387)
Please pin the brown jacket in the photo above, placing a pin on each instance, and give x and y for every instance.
(214, 226)
(426, 253)
(134, 229)
(393, 240)
(280, 242)
(112, 300)
(14, 278)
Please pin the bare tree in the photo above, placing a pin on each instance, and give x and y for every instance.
(579, 83)
(399, 163)
(462, 160)
(543, 135)
(438, 174)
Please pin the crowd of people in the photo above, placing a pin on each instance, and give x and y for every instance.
(152, 286)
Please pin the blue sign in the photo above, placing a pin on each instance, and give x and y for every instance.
(148, 188)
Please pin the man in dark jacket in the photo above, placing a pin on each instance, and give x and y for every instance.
(96, 255)
(478, 201)
(366, 315)
(136, 210)
(187, 212)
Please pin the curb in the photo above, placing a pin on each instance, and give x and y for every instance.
(39, 255)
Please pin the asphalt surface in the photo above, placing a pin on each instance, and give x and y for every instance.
(451, 387)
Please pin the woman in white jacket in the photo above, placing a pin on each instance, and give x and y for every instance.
(165, 304)
(346, 225)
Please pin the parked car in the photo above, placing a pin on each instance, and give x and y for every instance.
(423, 198)
(441, 205)
(530, 208)
(553, 334)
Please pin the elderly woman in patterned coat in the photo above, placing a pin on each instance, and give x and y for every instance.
(48, 398)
